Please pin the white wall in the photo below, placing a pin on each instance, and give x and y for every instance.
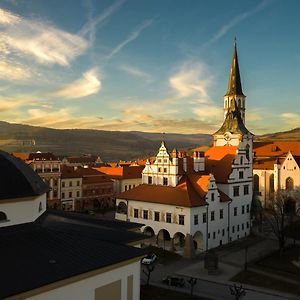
(85, 289)
(22, 210)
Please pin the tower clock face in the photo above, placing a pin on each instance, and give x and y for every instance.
(227, 136)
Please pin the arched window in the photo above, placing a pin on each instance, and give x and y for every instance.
(256, 184)
(225, 103)
(289, 183)
(271, 183)
(3, 216)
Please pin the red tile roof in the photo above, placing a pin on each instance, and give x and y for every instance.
(276, 149)
(126, 172)
(219, 160)
(190, 192)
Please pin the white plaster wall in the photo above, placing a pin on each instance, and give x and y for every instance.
(289, 168)
(22, 210)
(85, 289)
(127, 182)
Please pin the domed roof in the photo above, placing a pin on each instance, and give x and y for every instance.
(18, 179)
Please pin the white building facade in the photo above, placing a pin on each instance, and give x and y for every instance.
(206, 196)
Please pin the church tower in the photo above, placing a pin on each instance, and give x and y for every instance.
(234, 90)
(233, 131)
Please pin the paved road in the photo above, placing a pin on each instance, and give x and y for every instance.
(205, 288)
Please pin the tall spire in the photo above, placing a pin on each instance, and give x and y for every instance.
(234, 83)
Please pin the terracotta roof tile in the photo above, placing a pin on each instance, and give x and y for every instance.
(219, 160)
(276, 148)
(125, 172)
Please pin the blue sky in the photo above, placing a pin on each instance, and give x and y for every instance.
(156, 66)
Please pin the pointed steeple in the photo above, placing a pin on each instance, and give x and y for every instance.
(234, 83)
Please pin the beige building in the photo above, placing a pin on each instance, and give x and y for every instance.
(276, 166)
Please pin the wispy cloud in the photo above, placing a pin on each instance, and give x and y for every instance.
(10, 71)
(239, 18)
(87, 85)
(90, 27)
(38, 40)
(134, 35)
(192, 79)
(291, 118)
(136, 72)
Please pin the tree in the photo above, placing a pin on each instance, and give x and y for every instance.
(277, 217)
(192, 282)
(149, 269)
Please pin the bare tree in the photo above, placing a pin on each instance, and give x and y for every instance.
(149, 269)
(277, 217)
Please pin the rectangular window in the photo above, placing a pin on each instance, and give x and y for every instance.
(156, 216)
(223, 232)
(195, 219)
(214, 235)
(204, 218)
(212, 216)
(232, 229)
(235, 211)
(243, 226)
(236, 191)
(145, 214)
(159, 160)
(165, 181)
(70, 194)
(63, 184)
(208, 236)
(213, 197)
(243, 209)
(165, 160)
(136, 213)
(77, 194)
(242, 160)
(63, 195)
(248, 208)
(78, 183)
(125, 187)
(246, 189)
(221, 213)
(70, 183)
(168, 218)
(165, 170)
(241, 174)
(129, 187)
(247, 224)
(181, 220)
(150, 180)
(238, 228)
(159, 169)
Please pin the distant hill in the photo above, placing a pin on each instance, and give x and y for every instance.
(110, 145)
(292, 135)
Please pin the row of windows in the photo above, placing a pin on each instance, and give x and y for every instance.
(63, 184)
(165, 180)
(70, 194)
(160, 170)
(129, 187)
(157, 216)
(97, 191)
(165, 160)
(235, 210)
(238, 227)
(236, 190)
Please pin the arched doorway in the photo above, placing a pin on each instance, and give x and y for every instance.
(256, 184)
(178, 239)
(163, 236)
(122, 208)
(3, 216)
(198, 241)
(289, 183)
(148, 231)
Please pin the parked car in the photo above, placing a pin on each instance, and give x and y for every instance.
(149, 259)
(174, 281)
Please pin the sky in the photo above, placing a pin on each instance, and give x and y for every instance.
(154, 66)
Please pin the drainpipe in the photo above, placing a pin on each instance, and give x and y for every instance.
(207, 227)
(265, 190)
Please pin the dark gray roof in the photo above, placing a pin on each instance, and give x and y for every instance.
(18, 179)
(233, 122)
(52, 249)
(234, 83)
